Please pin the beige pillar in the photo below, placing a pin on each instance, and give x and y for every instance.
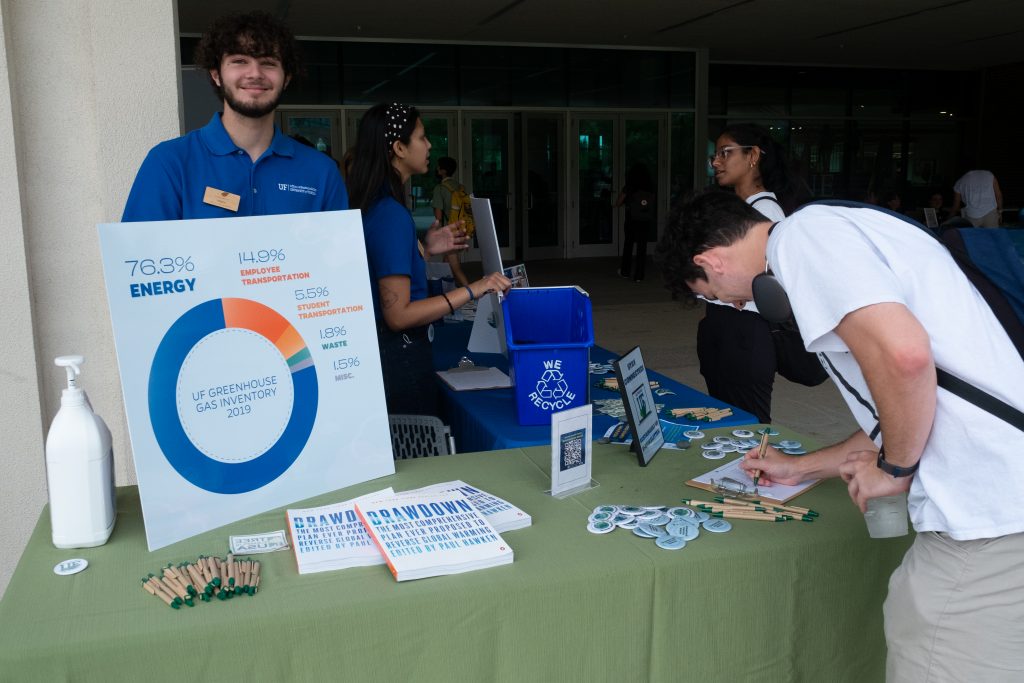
(86, 88)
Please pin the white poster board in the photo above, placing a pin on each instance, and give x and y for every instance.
(488, 333)
(248, 356)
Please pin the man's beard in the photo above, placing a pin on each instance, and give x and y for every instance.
(249, 110)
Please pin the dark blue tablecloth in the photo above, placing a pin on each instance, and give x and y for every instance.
(486, 420)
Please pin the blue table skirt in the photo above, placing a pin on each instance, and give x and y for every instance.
(486, 420)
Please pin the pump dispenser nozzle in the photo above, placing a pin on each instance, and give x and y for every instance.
(71, 365)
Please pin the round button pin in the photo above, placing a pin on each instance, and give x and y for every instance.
(600, 527)
(69, 567)
(670, 542)
(661, 520)
(742, 433)
(645, 531)
(718, 526)
(678, 527)
(694, 434)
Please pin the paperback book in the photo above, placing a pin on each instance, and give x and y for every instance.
(332, 537)
(423, 534)
(502, 515)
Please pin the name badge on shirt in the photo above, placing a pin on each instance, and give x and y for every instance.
(221, 198)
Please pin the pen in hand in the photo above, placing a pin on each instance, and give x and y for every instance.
(761, 450)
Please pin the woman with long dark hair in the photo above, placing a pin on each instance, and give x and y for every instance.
(735, 346)
(391, 146)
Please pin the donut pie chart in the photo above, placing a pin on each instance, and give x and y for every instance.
(183, 455)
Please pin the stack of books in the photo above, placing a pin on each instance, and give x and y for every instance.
(445, 528)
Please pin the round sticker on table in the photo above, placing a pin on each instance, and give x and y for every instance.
(600, 527)
(69, 567)
(670, 542)
(232, 395)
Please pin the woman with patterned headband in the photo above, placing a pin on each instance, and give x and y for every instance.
(391, 146)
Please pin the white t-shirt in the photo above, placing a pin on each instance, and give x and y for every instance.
(977, 191)
(768, 205)
(833, 261)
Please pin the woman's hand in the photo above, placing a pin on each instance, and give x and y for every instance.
(495, 282)
(448, 238)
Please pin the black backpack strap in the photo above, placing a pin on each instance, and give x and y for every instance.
(984, 400)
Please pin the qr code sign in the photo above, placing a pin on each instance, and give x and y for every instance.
(573, 451)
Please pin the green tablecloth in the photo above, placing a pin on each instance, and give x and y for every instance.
(765, 602)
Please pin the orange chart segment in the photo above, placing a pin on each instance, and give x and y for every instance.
(254, 316)
(289, 343)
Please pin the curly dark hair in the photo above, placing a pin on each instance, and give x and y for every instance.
(256, 33)
(699, 222)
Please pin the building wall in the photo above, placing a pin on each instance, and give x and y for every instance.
(86, 88)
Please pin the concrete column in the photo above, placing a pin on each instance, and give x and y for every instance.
(86, 88)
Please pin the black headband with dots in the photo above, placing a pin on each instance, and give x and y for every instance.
(396, 117)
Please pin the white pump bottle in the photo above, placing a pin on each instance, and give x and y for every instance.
(79, 468)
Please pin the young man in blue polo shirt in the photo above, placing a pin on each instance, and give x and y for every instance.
(239, 164)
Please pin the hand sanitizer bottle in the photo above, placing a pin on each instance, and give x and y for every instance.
(79, 468)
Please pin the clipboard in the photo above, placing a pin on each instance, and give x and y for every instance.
(473, 378)
(729, 480)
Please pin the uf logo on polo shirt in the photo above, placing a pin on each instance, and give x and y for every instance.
(302, 189)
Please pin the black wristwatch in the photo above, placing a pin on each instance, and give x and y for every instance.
(895, 470)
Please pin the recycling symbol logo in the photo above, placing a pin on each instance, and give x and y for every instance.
(552, 385)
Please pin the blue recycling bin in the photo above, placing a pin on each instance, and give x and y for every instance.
(549, 332)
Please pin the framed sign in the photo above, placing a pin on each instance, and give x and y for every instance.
(638, 402)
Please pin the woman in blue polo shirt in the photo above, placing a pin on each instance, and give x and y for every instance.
(391, 146)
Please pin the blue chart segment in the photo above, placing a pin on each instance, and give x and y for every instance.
(183, 455)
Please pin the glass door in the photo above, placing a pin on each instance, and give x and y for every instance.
(544, 180)
(319, 129)
(593, 227)
(487, 155)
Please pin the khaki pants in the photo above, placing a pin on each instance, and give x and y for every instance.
(955, 611)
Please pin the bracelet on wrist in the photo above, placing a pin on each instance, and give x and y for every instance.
(472, 297)
(895, 470)
(449, 302)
